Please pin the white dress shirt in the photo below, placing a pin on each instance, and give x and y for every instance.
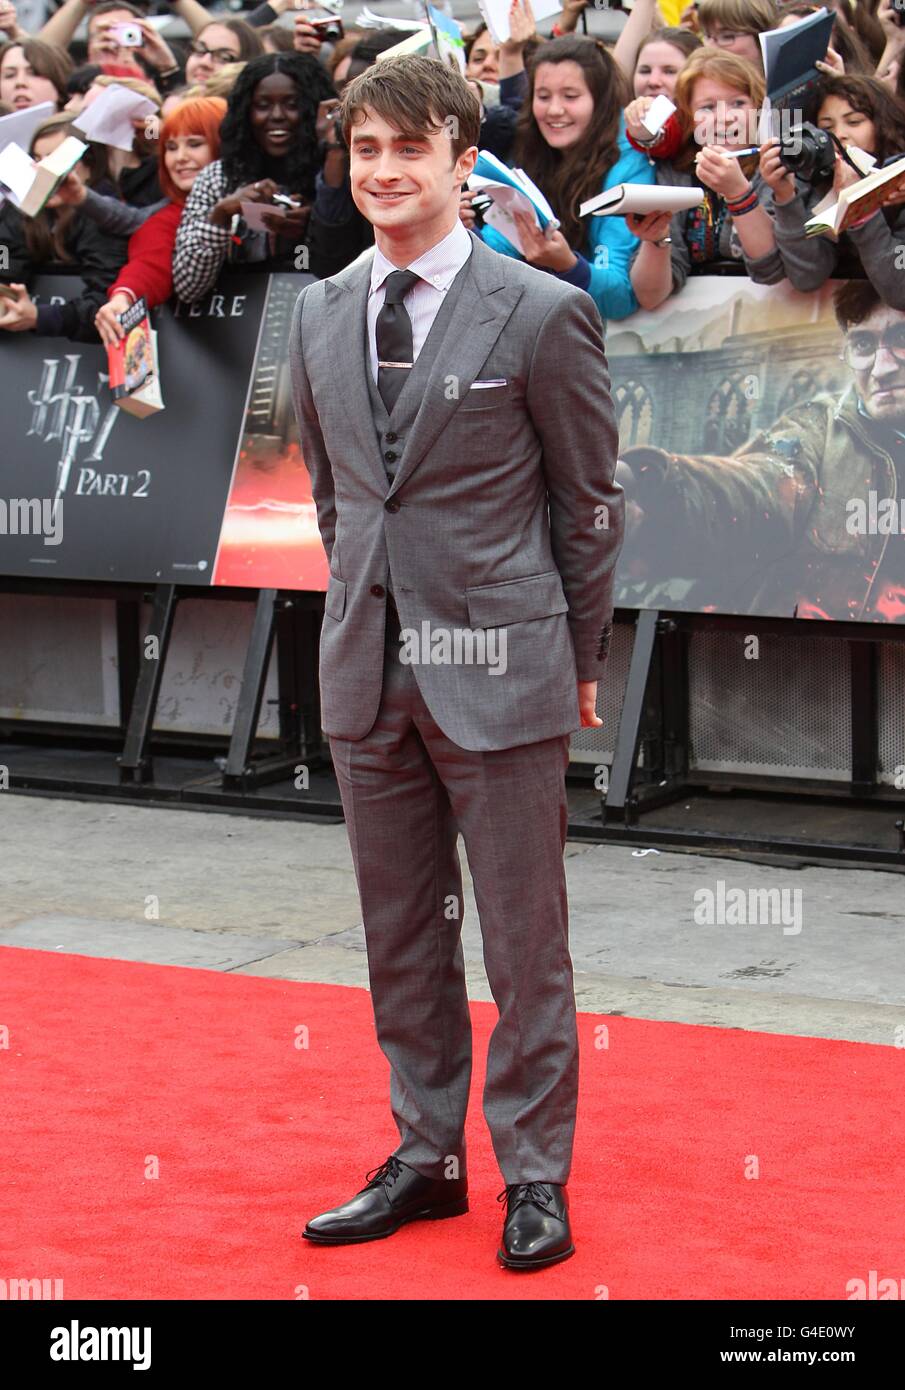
(438, 267)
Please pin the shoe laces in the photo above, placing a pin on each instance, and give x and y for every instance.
(537, 1192)
(385, 1175)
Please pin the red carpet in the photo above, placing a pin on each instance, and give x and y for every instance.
(113, 1066)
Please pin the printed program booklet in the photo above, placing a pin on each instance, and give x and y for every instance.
(29, 184)
(833, 215)
(641, 198)
(133, 366)
(510, 190)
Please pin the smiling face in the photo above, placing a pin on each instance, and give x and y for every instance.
(723, 115)
(185, 156)
(848, 125)
(20, 85)
(881, 386)
(275, 114)
(484, 59)
(406, 186)
(218, 46)
(563, 105)
(657, 69)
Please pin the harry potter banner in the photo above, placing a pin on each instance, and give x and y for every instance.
(128, 499)
(762, 434)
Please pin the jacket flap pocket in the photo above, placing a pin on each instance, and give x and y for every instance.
(335, 602)
(516, 600)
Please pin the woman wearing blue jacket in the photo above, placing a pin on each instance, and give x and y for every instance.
(570, 141)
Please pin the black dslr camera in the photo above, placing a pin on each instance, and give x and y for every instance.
(808, 151)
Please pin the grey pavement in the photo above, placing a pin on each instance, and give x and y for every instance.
(684, 938)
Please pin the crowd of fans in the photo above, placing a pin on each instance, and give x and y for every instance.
(246, 109)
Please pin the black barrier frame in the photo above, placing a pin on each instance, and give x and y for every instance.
(655, 717)
(291, 619)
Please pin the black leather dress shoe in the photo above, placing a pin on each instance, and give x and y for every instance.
(394, 1195)
(536, 1231)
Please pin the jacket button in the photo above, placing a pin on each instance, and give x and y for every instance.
(391, 437)
(378, 590)
(392, 505)
(391, 456)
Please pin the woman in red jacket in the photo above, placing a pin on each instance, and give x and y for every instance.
(189, 140)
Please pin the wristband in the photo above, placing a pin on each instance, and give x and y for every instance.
(748, 201)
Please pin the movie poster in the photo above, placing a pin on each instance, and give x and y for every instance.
(270, 538)
(90, 492)
(759, 448)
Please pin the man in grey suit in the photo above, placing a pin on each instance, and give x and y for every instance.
(455, 416)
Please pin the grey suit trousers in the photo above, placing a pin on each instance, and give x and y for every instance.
(407, 791)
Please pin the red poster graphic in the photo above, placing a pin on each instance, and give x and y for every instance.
(270, 538)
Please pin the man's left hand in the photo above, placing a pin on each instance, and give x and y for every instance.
(587, 704)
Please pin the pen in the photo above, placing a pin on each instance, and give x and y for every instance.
(735, 154)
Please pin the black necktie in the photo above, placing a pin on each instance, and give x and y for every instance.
(394, 337)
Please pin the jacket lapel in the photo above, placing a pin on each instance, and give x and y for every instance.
(481, 312)
(347, 303)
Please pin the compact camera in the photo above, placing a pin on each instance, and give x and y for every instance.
(328, 27)
(127, 35)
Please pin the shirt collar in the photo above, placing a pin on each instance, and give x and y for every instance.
(879, 426)
(439, 265)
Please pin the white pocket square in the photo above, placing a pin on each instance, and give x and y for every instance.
(483, 385)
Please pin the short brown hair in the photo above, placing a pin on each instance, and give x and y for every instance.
(45, 60)
(853, 302)
(746, 16)
(107, 7)
(416, 95)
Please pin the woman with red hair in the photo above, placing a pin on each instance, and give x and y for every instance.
(189, 140)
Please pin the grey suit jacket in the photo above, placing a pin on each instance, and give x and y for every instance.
(464, 529)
